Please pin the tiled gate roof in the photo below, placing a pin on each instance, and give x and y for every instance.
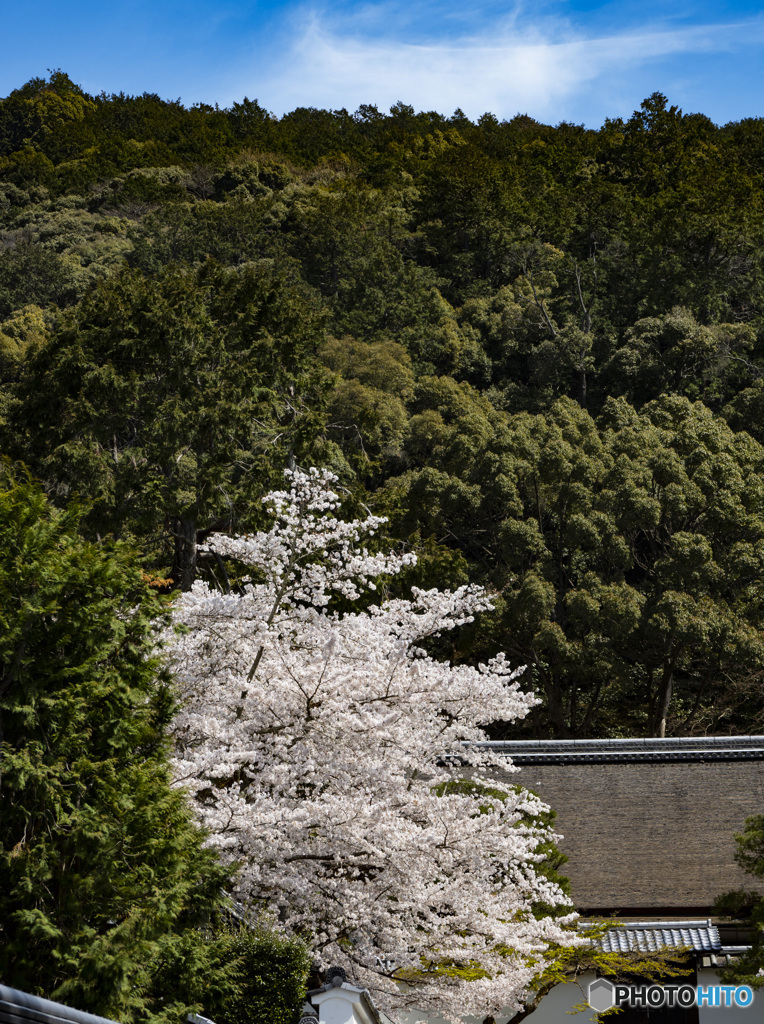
(649, 936)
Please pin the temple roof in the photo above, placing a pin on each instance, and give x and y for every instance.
(691, 748)
(22, 1008)
(648, 825)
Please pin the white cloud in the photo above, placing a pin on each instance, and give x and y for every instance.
(347, 59)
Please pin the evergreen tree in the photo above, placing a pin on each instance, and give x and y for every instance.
(103, 873)
(748, 968)
(171, 400)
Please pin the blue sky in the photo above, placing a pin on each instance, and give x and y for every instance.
(574, 60)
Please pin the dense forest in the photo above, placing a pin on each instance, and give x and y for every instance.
(539, 351)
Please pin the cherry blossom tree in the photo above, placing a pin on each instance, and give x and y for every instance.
(319, 748)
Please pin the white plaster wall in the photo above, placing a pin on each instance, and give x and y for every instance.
(753, 1014)
(346, 1004)
(557, 1006)
(554, 1008)
(334, 1007)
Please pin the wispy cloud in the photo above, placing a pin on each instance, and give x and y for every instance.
(516, 66)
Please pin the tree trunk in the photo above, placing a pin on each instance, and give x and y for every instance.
(582, 382)
(664, 699)
(587, 330)
(183, 571)
(556, 708)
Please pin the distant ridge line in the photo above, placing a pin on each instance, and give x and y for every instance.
(654, 750)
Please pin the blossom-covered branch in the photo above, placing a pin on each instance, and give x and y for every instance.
(314, 744)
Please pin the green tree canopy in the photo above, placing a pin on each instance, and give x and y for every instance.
(629, 552)
(171, 401)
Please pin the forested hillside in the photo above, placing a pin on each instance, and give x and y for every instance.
(538, 350)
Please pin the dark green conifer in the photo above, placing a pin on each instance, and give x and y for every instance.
(103, 873)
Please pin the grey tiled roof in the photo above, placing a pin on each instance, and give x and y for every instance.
(22, 1008)
(701, 937)
(671, 749)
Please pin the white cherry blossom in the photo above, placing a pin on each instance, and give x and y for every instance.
(319, 749)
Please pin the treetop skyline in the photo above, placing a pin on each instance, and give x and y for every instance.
(579, 61)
